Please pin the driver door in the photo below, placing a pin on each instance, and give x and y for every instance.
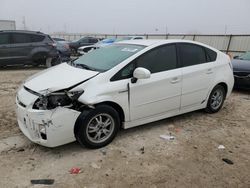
(161, 93)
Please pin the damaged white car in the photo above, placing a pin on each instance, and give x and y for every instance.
(125, 84)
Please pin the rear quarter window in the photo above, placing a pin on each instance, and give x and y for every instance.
(37, 38)
(211, 55)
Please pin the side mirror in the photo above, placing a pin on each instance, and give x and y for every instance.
(140, 73)
(236, 57)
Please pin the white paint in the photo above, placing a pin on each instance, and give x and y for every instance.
(163, 94)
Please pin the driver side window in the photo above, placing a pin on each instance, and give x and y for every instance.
(159, 59)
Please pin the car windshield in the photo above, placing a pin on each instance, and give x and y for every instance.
(104, 41)
(245, 56)
(107, 57)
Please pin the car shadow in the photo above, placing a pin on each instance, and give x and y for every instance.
(75, 147)
(12, 68)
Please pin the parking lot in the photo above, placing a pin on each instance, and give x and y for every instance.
(138, 156)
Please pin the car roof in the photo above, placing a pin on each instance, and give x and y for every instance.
(150, 42)
(21, 31)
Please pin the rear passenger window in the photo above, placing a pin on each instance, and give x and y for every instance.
(211, 55)
(37, 38)
(191, 54)
(4, 38)
(92, 40)
(21, 38)
(160, 59)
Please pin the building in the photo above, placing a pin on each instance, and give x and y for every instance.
(7, 25)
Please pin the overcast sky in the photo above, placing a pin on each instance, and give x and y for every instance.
(130, 16)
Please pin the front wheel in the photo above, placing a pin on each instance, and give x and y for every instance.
(97, 127)
(216, 99)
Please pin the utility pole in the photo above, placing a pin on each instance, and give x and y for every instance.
(225, 29)
(24, 23)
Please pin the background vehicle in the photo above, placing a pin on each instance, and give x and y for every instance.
(59, 40)
(63, 50)
(241, 69)
(85, 49)
(132, 38)
(126, 84)
(26, 48)
(85, 41)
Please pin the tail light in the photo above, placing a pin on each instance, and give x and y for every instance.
(66, 46)
(53, 44)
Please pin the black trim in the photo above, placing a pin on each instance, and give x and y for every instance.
(192, 44)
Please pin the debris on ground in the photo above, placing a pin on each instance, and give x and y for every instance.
(221, 147)
(228, 161)
(103, 151)
(167, 137)
(142, 150)
(75, 170)
(177, 130)
(43, 181)
(93, 165)
(20, 150)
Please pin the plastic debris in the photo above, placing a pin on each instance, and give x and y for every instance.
(75, 170)
(103, 151)
(95, 166)
(221, 147)
(177, 130)
(20, 150)
(142, 150)
(43, 181)
(167, 137)
(228, 161)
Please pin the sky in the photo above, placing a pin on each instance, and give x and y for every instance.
(130, 16)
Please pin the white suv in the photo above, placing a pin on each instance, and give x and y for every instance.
(126, 84)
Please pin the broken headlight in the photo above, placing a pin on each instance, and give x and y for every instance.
(54, 100)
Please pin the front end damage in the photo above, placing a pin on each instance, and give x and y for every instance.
(48, 118)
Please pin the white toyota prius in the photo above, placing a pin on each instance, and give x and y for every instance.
(122, 85)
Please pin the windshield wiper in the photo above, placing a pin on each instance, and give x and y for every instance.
(84, 66)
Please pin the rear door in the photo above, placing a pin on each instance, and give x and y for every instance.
(4, 49)
(84, 42)
(197, 73)
(21, 47)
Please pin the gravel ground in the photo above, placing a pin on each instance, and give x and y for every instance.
(138, 157)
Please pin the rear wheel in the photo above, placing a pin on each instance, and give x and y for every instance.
(39, 59)
(97, 127)
(216, 99)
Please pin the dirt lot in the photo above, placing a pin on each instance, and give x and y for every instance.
(138, 157)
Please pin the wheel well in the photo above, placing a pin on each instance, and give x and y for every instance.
(224, 85)
(39, 55)
(117, 107)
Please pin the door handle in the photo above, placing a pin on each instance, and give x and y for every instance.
(175, 80)
(209, 71)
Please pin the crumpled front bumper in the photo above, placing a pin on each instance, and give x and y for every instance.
(59, 123)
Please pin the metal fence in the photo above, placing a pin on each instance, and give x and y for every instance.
(235, 44)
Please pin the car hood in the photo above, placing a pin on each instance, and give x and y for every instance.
(57, 78)
(241, 65)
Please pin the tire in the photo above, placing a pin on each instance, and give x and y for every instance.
(39, 59)
(48, 62)
(96, 128)
(216, 99)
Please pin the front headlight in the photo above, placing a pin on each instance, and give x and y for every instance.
(54, 100)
